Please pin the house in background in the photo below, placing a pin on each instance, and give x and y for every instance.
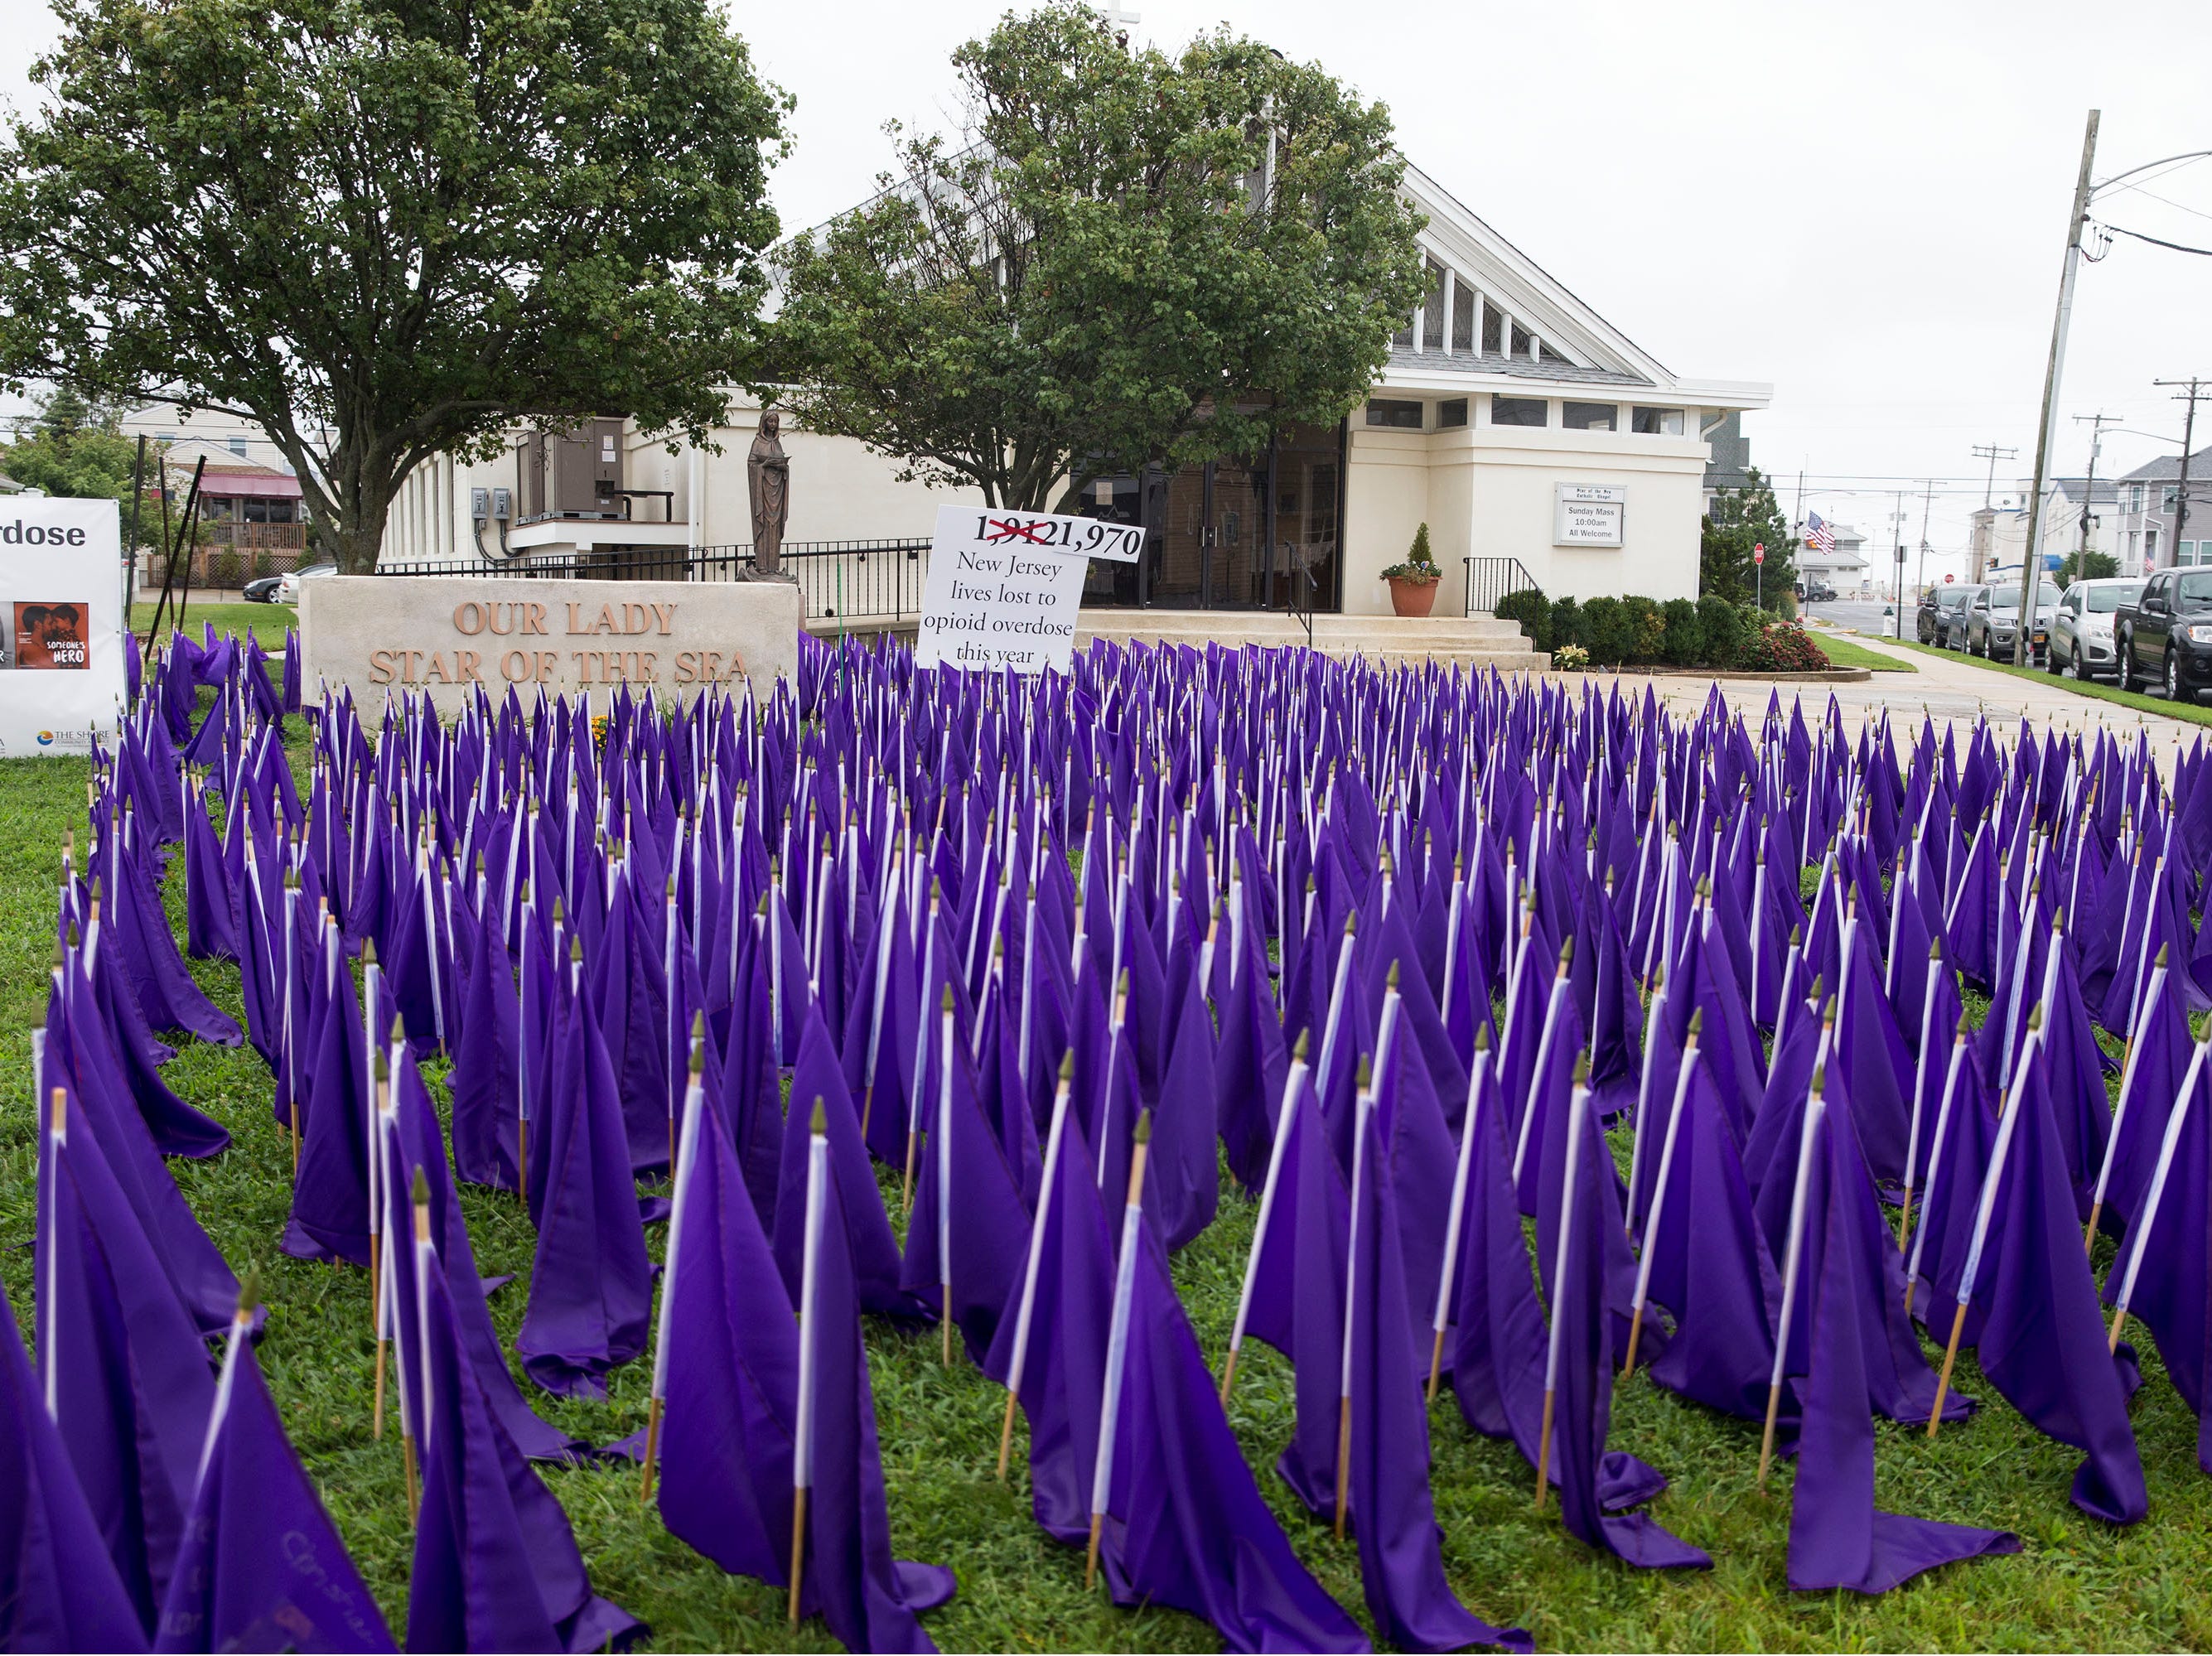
(253, 520)
(1998, 533)
(2146, 534)
(1844, 567)
(1531, 435)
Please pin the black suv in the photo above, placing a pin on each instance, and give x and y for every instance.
(2163, 639)
(1939, 606)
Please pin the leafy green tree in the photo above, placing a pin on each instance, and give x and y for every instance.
(1131, 257)
(71, 448)
(1738, 520)
(390, 229)
(2086, 566)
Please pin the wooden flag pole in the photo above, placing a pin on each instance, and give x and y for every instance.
(1652, 1014)
(1292, 1083)
(383, 1108)
(941, 1143)
(1454, 1216)
(1659, 1191)
(1935, 1152)
(694, 1096)
(1027, 1307)
(1560, 986)
(50, 1306)
(2139, 1228)
(1363, 1107)
(802, 1458)
(2127, 1078)
(1578, 1107)
(921, 1036)
(1117, 1345)
(420, 1195)
(2008, 1119)
(1793, 1258)
(1919, 1090)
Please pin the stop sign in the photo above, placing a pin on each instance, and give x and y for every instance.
(1758, 552)
(1948, 580)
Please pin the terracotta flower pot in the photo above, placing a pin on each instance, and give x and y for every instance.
(1412, 598)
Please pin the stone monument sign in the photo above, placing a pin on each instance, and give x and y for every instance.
(404, 634)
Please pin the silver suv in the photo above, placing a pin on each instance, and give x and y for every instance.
(1993, 621)
(2081, 631)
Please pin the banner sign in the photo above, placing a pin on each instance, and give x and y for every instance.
(1005, 588)
(61, 624)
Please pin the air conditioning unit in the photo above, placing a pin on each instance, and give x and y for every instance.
(575, 473)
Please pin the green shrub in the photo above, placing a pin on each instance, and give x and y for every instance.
(1647, 628)
(1567, 624)
(1722, 626)
(1420, 566)
(1684, 645)
(1609, 632)
(1533, 610)
(1780, 647)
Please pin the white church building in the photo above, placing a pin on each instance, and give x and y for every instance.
(1537, 442)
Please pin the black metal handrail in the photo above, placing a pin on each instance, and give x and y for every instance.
(862, 580)
(1490, 578)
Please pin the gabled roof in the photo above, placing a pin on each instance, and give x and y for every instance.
(2167, 469)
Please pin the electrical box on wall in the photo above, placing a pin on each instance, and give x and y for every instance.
(575, 472)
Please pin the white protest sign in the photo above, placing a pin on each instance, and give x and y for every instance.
(61, 624)
(1004, 587)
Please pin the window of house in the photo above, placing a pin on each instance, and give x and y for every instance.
(2135, 497)
(1518, 411)
(238, 445)
(1493, 329)
(1451, 413)
(1657, 423)
(1462, 330)
(2150, 543)
(1590, 416)
(1401, 416)
(1520, 340)
(1432, 310)
(1546, 354)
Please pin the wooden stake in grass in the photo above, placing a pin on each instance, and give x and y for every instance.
(1577, 1108)
(382, 1067)
(1659, 1191)
(1292, 1081)
(1793, 1257)
(1456, 1213)
(241, 1328)
(372, 981)
(1992, 1181)
(50, 1303)
(1560, 987)
(1027, 1307)
(1117, 1345)
(1363, 1107)
(802, 1446)
(694, 1096)
(920, 1041)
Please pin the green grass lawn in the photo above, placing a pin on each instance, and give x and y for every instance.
(267, 621)
(2078, 1584)
(2193, 713)
(1842, 652)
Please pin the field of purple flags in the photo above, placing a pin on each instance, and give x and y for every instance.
(1287, 1110)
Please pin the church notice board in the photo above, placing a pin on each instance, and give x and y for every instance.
(61, 624)
(1005, 588)
(447, 635)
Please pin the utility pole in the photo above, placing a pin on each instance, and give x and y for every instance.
(2078, 218)
(1920, 577)
(2096, 422)
(1992, 453)
(2195, 390)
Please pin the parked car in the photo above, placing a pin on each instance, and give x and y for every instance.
(287, 585)
(261, 590)
(1951, 623)
(2163, 639)
(1993, 621)
(2081, 633)
(1820, 593)
(1937, 605)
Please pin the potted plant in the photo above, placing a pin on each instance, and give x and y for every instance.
(1413, 582)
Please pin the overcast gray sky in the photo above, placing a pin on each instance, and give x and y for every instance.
(1863, 206)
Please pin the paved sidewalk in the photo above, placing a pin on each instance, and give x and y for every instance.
(1952, 690)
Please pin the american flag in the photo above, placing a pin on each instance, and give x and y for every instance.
(1818, 534)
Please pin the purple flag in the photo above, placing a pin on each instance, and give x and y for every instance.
(262, 1567)
(62, 1589)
